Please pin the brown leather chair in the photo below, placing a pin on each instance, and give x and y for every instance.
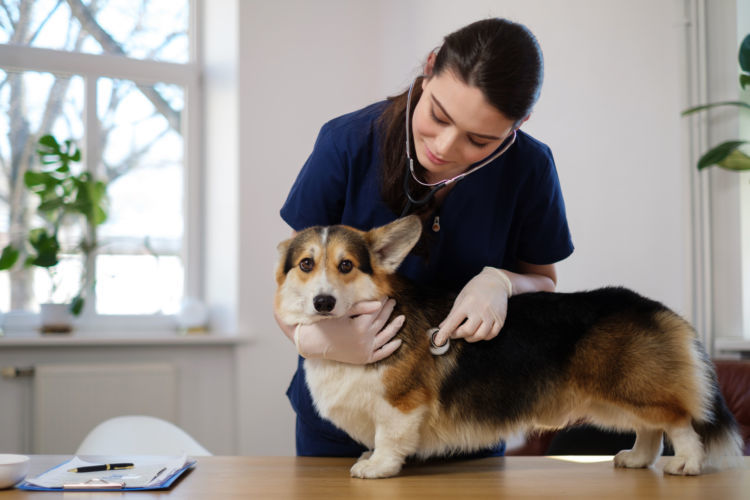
(734, 381)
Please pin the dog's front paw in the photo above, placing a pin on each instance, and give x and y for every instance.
(683, 466)
(375, 467)
(632, 460)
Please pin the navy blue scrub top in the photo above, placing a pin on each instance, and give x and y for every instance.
(508, 211)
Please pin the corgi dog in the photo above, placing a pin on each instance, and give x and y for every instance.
(609, 357)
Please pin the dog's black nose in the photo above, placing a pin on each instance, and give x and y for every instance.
(324, 303)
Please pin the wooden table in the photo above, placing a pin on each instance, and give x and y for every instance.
(513, 477)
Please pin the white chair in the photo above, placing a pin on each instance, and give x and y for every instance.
(139, 435)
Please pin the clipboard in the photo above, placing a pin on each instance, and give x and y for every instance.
(167, 471)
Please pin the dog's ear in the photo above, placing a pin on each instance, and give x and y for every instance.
(281, 263)
(283, 247)
(390, 244)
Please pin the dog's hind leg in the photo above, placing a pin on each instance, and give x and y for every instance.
(688, 451)
(396, 437)
(647, 448)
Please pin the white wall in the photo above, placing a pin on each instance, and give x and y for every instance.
(609, 110)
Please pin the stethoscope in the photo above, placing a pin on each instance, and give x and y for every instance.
(437, 186)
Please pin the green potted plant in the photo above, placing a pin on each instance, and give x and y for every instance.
(728, 154)
(70, 200)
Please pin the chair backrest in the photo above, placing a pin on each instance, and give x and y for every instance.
(139, 435)
(734, 379)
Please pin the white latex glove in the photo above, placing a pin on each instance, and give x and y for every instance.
(359, 337)
(481, 307)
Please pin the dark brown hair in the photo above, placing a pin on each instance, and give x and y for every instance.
(499, 57)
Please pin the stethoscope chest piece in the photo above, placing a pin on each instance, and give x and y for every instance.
(437, 350)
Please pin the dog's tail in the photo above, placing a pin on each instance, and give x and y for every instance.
(718, 430)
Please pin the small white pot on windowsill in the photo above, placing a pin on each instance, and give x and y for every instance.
(55, 318)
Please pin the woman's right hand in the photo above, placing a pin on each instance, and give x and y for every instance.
(359, 337)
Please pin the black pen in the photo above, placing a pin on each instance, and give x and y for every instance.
(97, 468)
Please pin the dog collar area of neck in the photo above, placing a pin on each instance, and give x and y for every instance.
(437, 350)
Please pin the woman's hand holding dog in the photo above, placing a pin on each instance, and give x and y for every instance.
(359, 337)
(478, 313)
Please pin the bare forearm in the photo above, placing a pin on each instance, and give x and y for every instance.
(525, 283)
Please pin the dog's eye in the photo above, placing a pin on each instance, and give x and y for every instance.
(306, 265)
(345, 266)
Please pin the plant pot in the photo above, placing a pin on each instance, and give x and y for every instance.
(56, 318)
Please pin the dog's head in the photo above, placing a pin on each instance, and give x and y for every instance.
(323, 271)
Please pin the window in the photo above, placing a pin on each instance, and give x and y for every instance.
(117, 77)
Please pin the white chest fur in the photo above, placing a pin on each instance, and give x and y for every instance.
(350, 396)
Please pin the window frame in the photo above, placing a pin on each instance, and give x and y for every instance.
(720, 200)
(91, 67)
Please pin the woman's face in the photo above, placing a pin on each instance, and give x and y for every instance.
(454, 126)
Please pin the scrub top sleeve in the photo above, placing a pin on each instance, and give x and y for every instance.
(317, 195)
(545, 237)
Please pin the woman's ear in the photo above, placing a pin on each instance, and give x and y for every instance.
(430, 64)
(521, 122)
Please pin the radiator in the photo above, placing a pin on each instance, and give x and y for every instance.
(70, 400)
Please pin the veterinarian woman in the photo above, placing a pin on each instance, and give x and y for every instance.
(496, 228)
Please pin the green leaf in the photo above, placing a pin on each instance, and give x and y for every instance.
(703, 107)
(33, 179)
(744, 54)
(9, 257)
(718, 153)
(37, 234)
(76, 306)
(46, 246)
(47, 259)
(91, 199)
(49, 141)
(51, 205)
(736, 160)
(100, 216)
(744, 81)
(52, 153)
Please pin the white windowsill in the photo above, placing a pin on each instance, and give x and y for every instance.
(730, 346)
(84, 339)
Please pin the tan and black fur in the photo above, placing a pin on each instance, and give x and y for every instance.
(608, 356)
